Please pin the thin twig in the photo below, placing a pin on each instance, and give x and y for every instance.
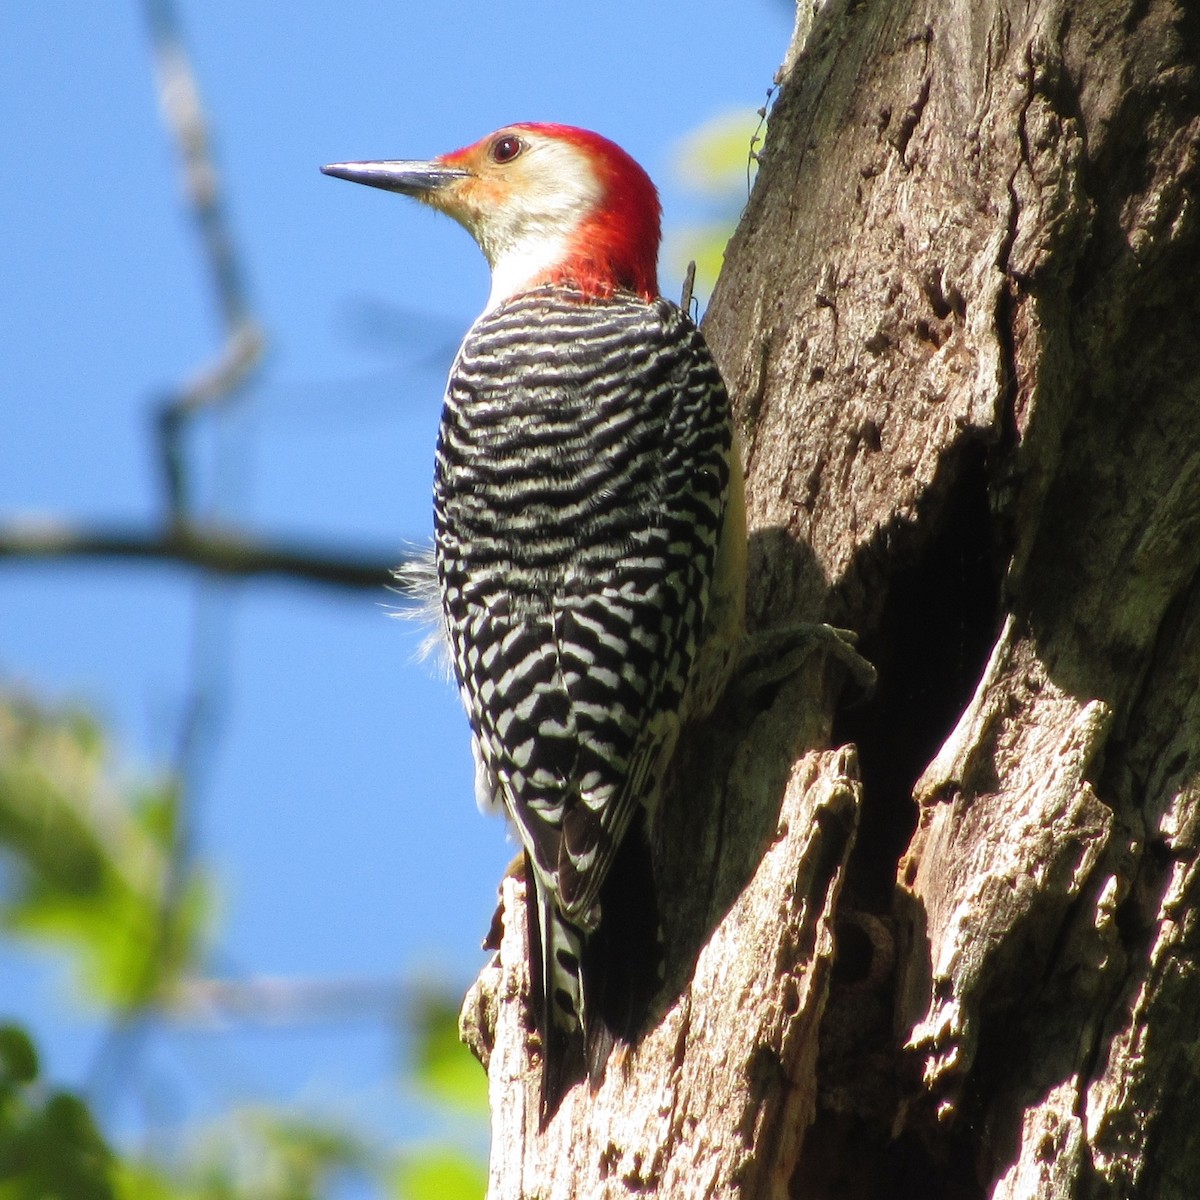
(689, 283)
(217, 382)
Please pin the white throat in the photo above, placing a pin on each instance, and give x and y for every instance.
(516, 269)
(532, 232)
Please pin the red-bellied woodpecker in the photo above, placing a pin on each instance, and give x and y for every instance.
(589, 525)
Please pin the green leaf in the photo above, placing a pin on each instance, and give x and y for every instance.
(139, 1181)
(18, 1057)
(440, 1174)
(50, 1148)
(718, 162)
(445, 1069)
(718, 158)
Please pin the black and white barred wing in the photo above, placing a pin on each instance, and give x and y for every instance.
(581, 478)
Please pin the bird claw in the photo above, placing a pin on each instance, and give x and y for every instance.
(771, 656)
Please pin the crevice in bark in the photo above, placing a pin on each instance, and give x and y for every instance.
(849, 1160)
(911, 117)
(930, 644)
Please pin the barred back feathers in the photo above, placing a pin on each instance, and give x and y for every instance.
(581, 481)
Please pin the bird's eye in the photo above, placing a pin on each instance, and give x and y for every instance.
(505, 149)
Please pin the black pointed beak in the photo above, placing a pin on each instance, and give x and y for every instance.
(408, 178)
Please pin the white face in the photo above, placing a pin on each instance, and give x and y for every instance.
(524, 212)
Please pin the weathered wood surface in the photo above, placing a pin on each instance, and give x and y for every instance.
(961, 323)
(675, 1117)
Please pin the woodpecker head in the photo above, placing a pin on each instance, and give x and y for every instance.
(546, 203)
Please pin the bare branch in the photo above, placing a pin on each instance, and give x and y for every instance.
(217, 382)
(220, 551)
(276, 1000)
(183, 113)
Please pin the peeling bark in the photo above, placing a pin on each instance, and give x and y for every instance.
(727, 1068)
(961, 324)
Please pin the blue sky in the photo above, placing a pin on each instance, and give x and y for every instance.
(336, 804)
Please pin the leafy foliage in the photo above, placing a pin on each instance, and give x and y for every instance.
(439, 1175)
(100, 872)
(49, 1146)
(445, 1070)
(95, 872)
(717, 162)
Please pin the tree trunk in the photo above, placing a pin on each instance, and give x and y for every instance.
(961, 324)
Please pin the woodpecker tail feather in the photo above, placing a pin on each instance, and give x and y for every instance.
(557, 947)
(623, 958)
(593, 990)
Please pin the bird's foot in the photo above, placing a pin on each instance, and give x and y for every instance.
(771, 656)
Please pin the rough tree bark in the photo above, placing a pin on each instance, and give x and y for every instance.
(961, 324)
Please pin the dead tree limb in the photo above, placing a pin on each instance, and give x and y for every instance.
(224, 552)
(959, 321)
